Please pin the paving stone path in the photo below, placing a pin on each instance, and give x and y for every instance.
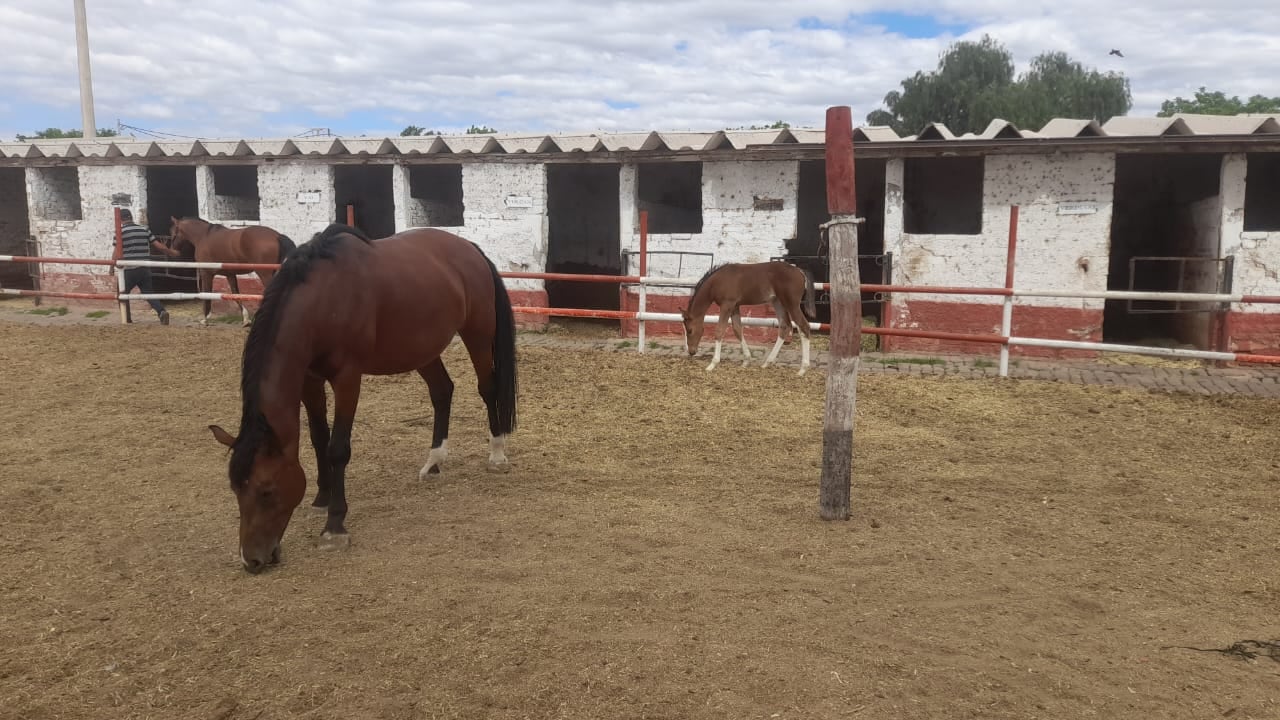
(1253, 381)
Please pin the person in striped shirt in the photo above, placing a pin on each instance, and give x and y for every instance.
(138, 242)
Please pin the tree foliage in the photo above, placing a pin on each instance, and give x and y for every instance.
(60, 134)
(975, 84)
(1217, 103)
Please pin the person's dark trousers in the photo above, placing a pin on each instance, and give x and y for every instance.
(141, 278)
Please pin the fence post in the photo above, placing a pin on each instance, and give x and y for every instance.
(1006, 316)
(846, 318)
(644, 271)
(116, 255)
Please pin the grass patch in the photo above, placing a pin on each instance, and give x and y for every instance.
(59, 311)
(97, 314)
(984, 363)
(228, 319)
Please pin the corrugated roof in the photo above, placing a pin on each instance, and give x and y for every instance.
(1230, 124)
(727, 140)
(1068, 128)
(1145, 126)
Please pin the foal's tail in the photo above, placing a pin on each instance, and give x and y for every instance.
(286, 246)
(809, 308)
(504, 352)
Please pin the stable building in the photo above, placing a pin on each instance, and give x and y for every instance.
(1187, 203)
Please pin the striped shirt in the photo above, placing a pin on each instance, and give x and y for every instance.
(137, 241)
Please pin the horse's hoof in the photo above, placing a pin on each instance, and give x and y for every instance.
(501, 467)
(334, 541)
(428, 470)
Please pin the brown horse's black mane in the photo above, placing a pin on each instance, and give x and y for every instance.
(255, 431)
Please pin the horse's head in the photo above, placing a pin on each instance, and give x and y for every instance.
(692, 331)
(267, 493)
(179, 237)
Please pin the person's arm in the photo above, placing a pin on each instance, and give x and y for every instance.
(161, 247)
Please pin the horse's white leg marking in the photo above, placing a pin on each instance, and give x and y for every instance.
(498, 455)
(715, 360)
(244, 314)
(435, 459)
(205, 320)
(773, 354)
(804, 353)
(737, 326)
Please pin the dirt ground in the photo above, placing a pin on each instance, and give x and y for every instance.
(1018, 549)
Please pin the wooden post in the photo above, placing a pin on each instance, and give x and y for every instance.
(116, 254)
(846, 318)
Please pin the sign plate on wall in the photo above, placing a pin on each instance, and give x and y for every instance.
(309, 197)
(1077, 208)
(519, 201)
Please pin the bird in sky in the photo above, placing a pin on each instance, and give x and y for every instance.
(1117, 53)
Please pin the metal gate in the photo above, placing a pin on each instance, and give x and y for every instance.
(872, 269)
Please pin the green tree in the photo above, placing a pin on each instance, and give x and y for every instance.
(974, 84)
(59, 134)
(1217, 103)
(415, 131)
(480, 130)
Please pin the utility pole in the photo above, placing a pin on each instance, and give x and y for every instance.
(86, 80)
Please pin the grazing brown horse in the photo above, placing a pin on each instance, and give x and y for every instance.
(733, 285)
(221, 244)
(344, 306)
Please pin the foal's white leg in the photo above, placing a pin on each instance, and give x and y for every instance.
(715, 359)
(435, 459)
(498, 455)
(244, 313)
(773, 354)
(804, 353)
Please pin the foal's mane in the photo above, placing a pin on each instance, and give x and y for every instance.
(710, 271)
(255, 431)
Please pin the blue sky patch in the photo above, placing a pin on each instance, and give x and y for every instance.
(909, 25)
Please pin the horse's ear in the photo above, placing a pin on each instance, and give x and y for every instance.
(222, 436)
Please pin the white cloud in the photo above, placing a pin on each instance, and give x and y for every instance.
(237, 68)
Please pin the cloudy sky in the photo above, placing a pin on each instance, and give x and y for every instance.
(254, 68)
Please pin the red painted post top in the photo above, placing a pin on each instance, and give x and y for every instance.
(841, 199)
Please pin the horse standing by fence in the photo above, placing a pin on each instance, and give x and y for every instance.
(730, 286)
(218, 243)
(343, 307)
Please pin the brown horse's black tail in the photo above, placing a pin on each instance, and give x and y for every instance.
(810, 308)
(286, 246)
(504, 354)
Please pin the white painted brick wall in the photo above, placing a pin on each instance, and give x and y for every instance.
(1257, 264)
(1053, 249)
(732, 228)
(515, 238)
(93, 236)
(279, 185)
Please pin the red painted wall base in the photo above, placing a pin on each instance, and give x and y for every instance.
(1039, 322)
(1253, 332)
